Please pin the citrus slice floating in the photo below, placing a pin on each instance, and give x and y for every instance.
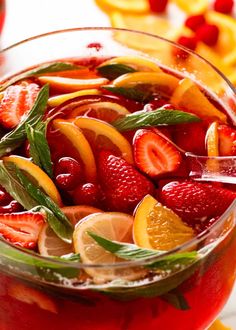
(113, 226)
(59, 99)
(161, 82)
(188, 96)
(106, 111)
(212, 140)
(70, 84)
(138, 63)
(102, 135)
(49, 244)
(157, 227)
(218, 325)
(38, 176)
(192, 7)
(80, 143)
(134, 6)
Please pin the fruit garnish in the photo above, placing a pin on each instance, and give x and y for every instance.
(153, 154)
(16, 137)
(114, 70)
(188, 96)
(77, 212)
(223, 6)
(114, 226)
(195, 21)
(101, 135)
(208, 33)
(54, 101)
(106, 111)
(70, 84)
(212, 140)
(138, 63)
(227, 140)
(87, 194)
(68, 173)
(122, 192)
(21, 229)
(158, 6)
(80, 143)
(194, 201)
(17, 101)
(192, 7)
(160, 82)
(153, 118)
(134, 6)
(157, 227)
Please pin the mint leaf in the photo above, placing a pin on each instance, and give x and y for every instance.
(157, 117)
(39, 148)
(112, 71)
(14, 138)
(133, 93)
(73, 257)
(45, 68)
(176, 299)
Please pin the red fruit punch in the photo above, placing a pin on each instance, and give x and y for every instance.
(196, 201)
(123, 185)
(227, 140)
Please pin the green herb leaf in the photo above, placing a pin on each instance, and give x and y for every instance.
(55, 217)
(176, 299)
(112, 71)
(13, 139)
(73, 257)
(133, 252)
(45, 68)
(39, 148)
(134, 93)
(157, 117)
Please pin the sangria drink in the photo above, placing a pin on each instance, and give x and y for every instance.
(117, 202)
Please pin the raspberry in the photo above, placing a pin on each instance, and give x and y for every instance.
(158, 6)
(68, 173)
(188, 42)
(208, 33)
(194, 22)
(223, 6)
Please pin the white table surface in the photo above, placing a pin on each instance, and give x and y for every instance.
(26, 18)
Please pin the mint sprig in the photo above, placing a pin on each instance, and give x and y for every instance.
(157, 117)
(133, 93)
(14, 138)
(112, 71)
(45, 68)
(39, 148)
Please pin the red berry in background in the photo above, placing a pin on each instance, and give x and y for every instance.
(208, 33)
(194, 22)
(223, 6)
(87, 194)
(188, 42)
(158, 6)
(68, 173)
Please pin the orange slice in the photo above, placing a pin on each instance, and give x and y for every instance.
(157, 227)
(49, 244)
(138, 63)
(38, 176)
(212, 140)
(135, 6)
(192, 7)
(106, 111)
(218, 325)
(102, 135)
(113, 226)
(188, 96)
(80, 143)
(70, 84)
(59, 99)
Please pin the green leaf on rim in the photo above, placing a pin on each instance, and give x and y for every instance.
(112, 71)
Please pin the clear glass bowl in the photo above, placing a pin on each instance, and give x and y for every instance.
(37, 293)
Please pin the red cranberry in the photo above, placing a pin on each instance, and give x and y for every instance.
(158, 6)
(194, 22)
(12, 207)
(224, 6)
(68, 173)
(188, 42)
(209, 34)
(87, 194)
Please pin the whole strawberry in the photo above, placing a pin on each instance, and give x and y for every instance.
(123, 185)
(194, 201)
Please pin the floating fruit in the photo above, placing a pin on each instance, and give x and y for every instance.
(212, 140)
(54, 101)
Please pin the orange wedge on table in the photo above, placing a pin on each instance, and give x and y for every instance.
(54, 101)
(157, 227)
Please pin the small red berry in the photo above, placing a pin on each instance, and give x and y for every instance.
(158, 6)
(194, 22)
(188, 42)
(224, 6)
(208, 33)
(87, 194)
(68, 173)
(5, 198)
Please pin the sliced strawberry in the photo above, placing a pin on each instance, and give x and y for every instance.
(16, 102)
(153, 154)
(123, 185)
(194, 201)
(227, 140)
(21, 229)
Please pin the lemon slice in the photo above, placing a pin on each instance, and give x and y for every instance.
(192, 7)
(113, 226)
(138, 63)
(39, 176)
(157, 227)
(59, 99)
(80, 143)
(135, 6)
